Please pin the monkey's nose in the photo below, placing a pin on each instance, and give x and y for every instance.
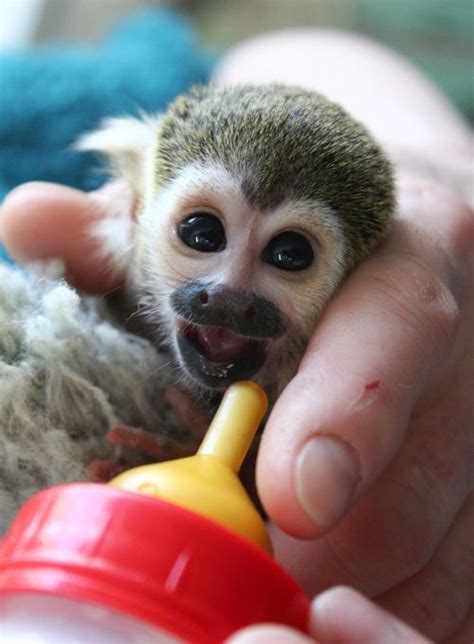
(218, 305)
(223, 299)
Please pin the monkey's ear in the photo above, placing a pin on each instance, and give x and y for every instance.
(124, 142)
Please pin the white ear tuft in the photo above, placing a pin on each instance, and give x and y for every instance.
(124, 142)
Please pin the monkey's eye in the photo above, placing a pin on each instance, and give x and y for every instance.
(289, 251)
(202, 231)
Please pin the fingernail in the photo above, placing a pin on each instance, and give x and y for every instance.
(327, 471)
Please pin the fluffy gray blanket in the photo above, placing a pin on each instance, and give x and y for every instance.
(67, 376)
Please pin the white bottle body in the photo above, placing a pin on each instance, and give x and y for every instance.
(32, 618)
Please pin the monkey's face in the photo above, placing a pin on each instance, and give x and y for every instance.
(255, 201)
(237, 288)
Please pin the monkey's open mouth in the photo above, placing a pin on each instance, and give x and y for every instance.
(217, 356)
(218, 344)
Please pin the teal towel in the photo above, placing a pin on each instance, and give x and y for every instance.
(4, 255)
(51, 94)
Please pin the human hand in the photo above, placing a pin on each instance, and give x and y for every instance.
(43, 220)
(391, 368)
(376, 473)
(341, 616)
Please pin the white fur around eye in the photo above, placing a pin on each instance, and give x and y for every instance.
(199, 186)
(321, 225)
(196, 187)
(163, 258)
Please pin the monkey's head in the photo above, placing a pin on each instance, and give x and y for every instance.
(254, 203)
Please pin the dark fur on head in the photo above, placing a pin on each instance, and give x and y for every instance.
(285, 143)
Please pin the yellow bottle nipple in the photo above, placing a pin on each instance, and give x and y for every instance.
(207, 483)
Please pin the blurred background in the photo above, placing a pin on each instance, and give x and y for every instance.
(437, 34)
(65, 65)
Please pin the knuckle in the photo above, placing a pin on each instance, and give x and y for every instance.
(416, 295)
(437, 223)
(447, 312)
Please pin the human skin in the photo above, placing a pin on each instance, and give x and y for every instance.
(374, 486)
(337, 616)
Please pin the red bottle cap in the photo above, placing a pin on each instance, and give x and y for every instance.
(148, 559)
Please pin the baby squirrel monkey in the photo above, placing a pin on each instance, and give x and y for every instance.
(253, 203)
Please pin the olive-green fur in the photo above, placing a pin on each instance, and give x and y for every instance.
(284, 143)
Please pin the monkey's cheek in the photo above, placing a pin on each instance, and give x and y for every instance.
(218, 376)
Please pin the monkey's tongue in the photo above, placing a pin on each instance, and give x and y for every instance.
(221, 345)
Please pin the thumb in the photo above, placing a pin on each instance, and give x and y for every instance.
(40, 221)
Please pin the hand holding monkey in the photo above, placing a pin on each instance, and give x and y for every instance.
(371, 361)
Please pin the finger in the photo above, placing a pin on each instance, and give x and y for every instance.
(438, 598)
(344, 416)
(42, 221)
(102, 471)
(342, 616)
(394, 530)
(263, 634)
(191, 412)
